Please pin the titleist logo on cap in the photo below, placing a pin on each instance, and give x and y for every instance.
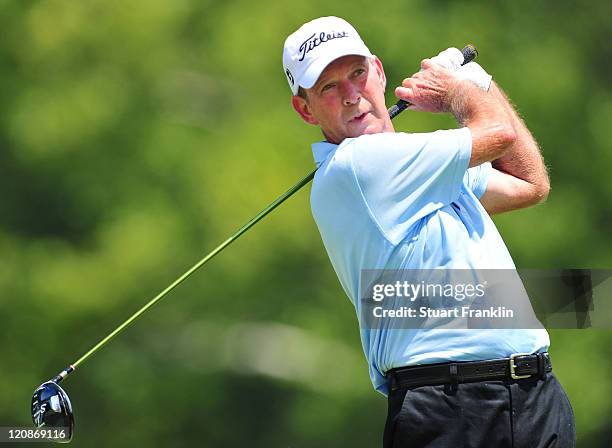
(302, 65)
(313, 42)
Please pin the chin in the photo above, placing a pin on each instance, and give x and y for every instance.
(369, 129)
(373, 130)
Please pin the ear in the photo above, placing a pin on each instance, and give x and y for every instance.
(380, 71)
(302, 107)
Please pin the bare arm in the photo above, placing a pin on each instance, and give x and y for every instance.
(519, 178)
(435, 89)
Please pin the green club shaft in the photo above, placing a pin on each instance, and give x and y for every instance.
(188, 273)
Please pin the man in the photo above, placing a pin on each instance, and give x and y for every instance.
(387, 200)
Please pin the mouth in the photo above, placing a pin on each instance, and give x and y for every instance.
(359, 118)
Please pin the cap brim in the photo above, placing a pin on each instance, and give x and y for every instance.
(312, 73)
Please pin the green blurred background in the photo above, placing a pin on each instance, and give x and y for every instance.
(136, 135)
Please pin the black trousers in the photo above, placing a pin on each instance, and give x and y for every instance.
(527, 413)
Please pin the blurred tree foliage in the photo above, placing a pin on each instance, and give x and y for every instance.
(136, 135)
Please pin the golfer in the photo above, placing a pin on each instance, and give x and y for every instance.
(390, 200)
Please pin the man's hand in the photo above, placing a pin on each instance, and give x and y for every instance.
(452, 58)
(429, 90)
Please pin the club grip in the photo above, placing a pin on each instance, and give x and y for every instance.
(469, 54)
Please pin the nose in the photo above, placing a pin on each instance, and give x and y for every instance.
(350, 93)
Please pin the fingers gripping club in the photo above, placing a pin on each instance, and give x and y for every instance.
(469, 54)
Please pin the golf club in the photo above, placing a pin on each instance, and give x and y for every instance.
(51, 406)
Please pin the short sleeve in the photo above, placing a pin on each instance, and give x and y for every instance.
(477, 178)
(404, 177)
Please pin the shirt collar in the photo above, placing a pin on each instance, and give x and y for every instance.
(322, 150)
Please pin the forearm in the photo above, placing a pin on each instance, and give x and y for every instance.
(488, 120)
(523, 159)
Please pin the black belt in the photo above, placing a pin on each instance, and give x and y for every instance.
(518, 366)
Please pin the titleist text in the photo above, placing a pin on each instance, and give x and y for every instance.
(313, 42)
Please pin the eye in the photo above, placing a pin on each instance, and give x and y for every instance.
(327, 87)
(359, 72)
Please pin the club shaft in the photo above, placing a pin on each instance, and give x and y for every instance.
(198, 265)
(469, 53)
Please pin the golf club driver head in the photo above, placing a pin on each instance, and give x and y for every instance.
(51, 408)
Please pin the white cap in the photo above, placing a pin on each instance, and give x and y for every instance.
(315, 45)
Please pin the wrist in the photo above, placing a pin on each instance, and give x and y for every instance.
(463, 97)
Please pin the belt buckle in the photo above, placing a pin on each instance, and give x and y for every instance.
(513, 374)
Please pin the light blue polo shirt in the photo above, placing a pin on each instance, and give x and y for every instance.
(409, 201)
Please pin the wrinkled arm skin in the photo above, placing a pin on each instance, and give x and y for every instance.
(519, 178)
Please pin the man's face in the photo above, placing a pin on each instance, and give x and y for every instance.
(347, 100)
